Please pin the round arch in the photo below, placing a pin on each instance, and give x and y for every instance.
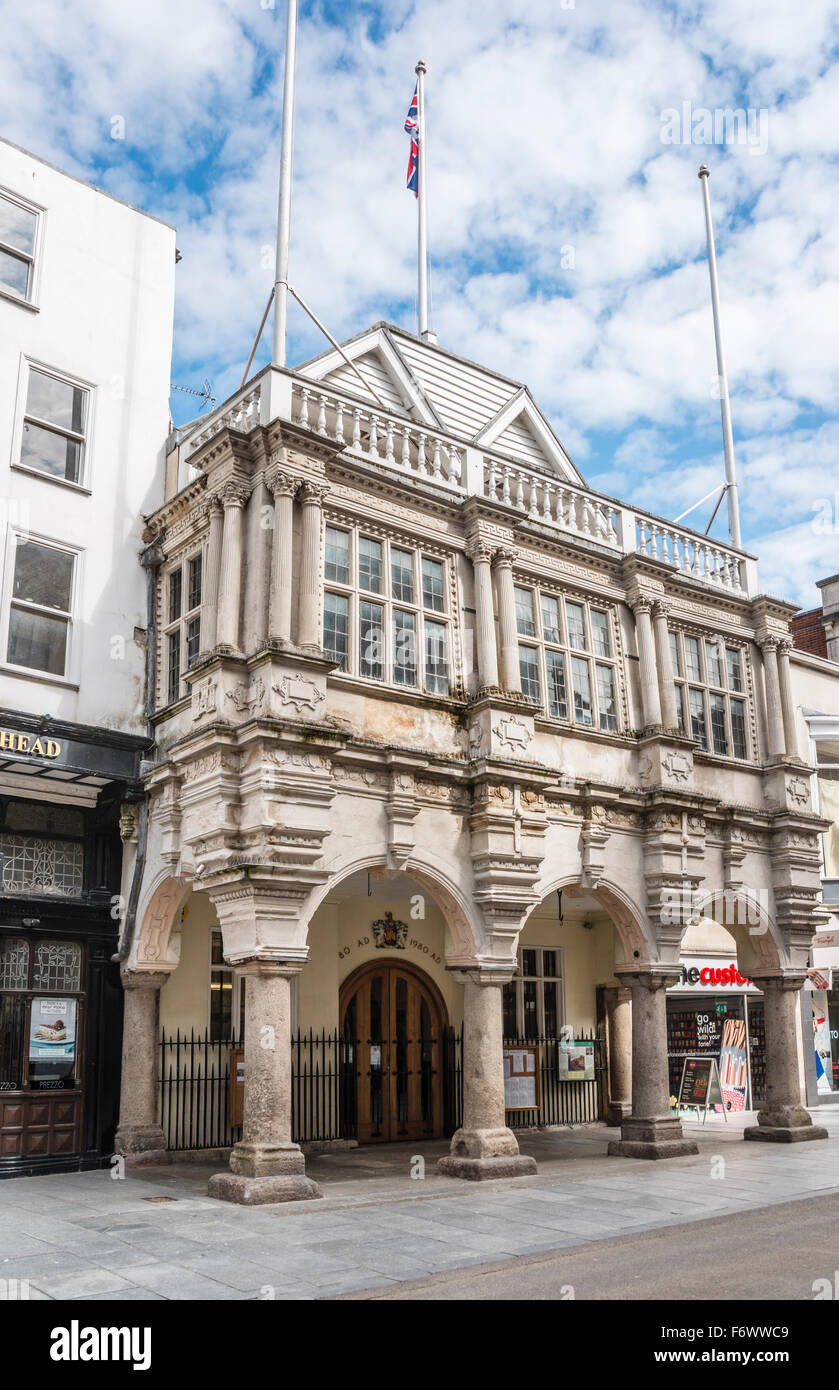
(351, 982)
(637, 943)
(158, 938)
(744, 914)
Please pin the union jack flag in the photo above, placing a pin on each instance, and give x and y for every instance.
(412, 129)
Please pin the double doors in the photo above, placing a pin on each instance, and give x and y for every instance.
(393, 1025)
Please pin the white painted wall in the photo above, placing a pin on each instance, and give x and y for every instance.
(103, 314)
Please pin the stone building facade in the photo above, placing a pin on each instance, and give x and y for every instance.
(401, 648)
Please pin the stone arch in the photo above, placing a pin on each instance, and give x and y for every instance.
(637, 943)
(157, 943)
(461, 916)
(745, 914)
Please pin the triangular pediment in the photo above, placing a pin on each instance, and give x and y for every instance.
(520, 430)
(379, 375)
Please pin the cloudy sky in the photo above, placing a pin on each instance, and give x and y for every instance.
(566, 224)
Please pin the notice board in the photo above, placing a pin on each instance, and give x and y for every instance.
(522, 1079)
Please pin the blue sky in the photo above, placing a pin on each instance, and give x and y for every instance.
(548, 130)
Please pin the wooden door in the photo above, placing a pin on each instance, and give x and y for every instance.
(393, 1017)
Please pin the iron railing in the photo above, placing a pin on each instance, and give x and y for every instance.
(195, 1091)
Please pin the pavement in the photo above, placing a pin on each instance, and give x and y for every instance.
(156, 1235)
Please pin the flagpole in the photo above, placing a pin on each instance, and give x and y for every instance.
(725, 404)
(284, 201)
(422, 211)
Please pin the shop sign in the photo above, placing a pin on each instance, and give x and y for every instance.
(13, 742)
(707, 972)
(700, 1085)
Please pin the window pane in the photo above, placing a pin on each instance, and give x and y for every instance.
(551, 998)
(14, 274)
(217, 956)
(17, 226)
(735, 669)
(680, 707)
(195, 574)
(738, 728)
(525, 625)
(606, 697)
(14, 963)
(37, 641)
(713, 663)
(692, 667)
(600, 633)
(696, 700)
(557, 694)
(531, 1016)
(371, 638)
(402, 575)
(58, 402)
(370, 565)
(549, 963)
(336, 610)
(174, 683)
(404, 648)
(551, 630)
(174, 595)
(529, 669)
(50, 453)
(336, 564)
(718, 732)
(675, 654)
(529, 963)
(436, 658)
(576, 626)
(433, 596)
(193, 640)
(582, 690)
(508, 998)
(43, 575)
(57, 965)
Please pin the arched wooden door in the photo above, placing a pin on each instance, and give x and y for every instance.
(393, 1021)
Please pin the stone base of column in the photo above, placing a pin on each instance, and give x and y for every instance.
(141, 1146)
(481, 1154)
(261, 1173)
(790, 1124)
(618, 1111)
(653, 1138)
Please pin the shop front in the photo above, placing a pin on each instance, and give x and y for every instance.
(715, 1012)
(823, 988)
(60, 994)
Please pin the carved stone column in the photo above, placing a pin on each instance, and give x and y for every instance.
(266, 1166)
(212, 576)
(774, 714)
(650, 699)
(664, 662)
(283, 488)
(484, 1147)
(787, 701)
(481, 556)
(650, 1131)
(139, 1137)
(308, 607)
(783, 1119)
(233, 497)
(618, 1001)
(510, 670)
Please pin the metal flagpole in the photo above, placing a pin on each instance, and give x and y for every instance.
(725, 404)
(422, 210)
(284, 203)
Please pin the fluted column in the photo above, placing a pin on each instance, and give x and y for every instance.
(787, 701)
(211, 577)
(774, 714)
(783, 1117)
(483, 1147)
(487, 654)
(283, 488)
(664, 663)
(139, 1138)
(308, 607)
(650, 699)
(233, 497)
(651, 1130)
(510, 671)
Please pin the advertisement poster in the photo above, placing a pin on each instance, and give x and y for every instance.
(734, 1064)
(52, 1032)
(576, 1061)
(821, 1042)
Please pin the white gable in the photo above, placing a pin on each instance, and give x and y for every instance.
(372, 368)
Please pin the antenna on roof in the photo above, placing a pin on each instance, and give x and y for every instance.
(725, 404)
(205, 394)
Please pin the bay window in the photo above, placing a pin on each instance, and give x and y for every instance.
(709, 676)
(568, 662)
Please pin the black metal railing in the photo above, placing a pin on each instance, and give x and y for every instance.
(195, 1089)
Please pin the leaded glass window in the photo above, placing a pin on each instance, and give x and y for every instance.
(32, 864)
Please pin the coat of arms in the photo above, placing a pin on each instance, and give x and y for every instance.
(390, 933)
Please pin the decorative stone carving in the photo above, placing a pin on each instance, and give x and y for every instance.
(678, 766)
(513, 733)
(798, 791)
(248, 698)
(300, 691)
(204, 698)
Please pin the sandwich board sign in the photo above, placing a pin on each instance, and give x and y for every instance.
(700, 1087)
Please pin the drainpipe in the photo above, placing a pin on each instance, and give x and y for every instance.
(151, 560)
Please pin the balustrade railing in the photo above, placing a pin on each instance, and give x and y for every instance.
(693, 555)
(240, 413)
(541, 498)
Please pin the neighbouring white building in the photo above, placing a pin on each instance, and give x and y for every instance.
(86, 309)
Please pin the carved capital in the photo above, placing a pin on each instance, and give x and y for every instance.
(313, 494)
(503, 557)
(641, 604)
(661, 609)
(480, 552)
(281, 484)
(234, 494)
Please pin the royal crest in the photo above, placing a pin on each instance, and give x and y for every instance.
(390, 933)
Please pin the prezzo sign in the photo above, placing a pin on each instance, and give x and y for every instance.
(701, 973)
